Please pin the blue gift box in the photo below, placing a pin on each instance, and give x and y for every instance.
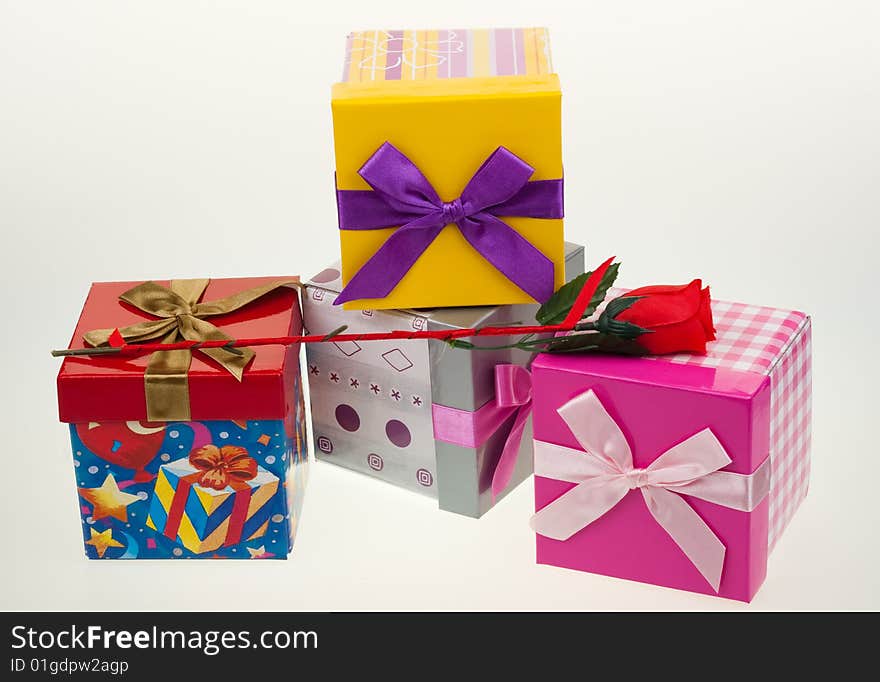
(126, 473)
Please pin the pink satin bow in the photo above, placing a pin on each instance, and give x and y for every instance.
(604, 473)
(513, 394)
(513, 389)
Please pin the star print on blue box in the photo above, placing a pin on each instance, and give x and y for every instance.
(128, 506)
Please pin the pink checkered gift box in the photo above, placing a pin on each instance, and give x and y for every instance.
(776, 343)
(746, 403)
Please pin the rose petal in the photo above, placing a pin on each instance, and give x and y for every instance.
(659, 289)
(663, 305)
(687, 336)
(705, 314)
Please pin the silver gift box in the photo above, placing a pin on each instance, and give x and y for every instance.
(372, 402)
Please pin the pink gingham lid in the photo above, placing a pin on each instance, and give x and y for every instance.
(749, 338)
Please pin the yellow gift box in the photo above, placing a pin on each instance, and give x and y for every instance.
(447, 100)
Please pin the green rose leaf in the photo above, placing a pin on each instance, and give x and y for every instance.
(557, 307)
(609, 324)
(594, 343)
(573, 343)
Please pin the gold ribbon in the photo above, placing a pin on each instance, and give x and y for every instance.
(181, 318)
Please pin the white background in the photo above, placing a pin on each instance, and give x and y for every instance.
(737, 141)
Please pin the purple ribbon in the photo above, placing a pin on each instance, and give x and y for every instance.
(403, 196)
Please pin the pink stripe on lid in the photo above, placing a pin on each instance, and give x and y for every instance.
(395, 59)
(504, 61)
(520, 51)
(345, 66)
(459, 59)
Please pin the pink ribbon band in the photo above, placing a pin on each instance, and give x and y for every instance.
(604, 473)
(469, 429)
(513, 394)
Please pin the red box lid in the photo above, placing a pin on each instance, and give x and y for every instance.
(102, 388)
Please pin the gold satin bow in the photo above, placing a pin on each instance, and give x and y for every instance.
(181, 318)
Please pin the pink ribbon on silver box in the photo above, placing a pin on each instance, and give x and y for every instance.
(513, 394)
(604, 473)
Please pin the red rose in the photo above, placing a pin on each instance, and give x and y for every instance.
(679, 318)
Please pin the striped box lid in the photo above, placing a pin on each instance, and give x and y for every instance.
(444, 54)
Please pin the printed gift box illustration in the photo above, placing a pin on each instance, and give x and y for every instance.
(420, 414)
(187, 453)
(448, 169)
(677, 470)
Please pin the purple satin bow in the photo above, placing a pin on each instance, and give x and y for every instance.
(403, 196)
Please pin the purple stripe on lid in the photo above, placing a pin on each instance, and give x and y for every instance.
(445, 62)
(395, 58)
(504, 61)
(459, 60)
(520, 56)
